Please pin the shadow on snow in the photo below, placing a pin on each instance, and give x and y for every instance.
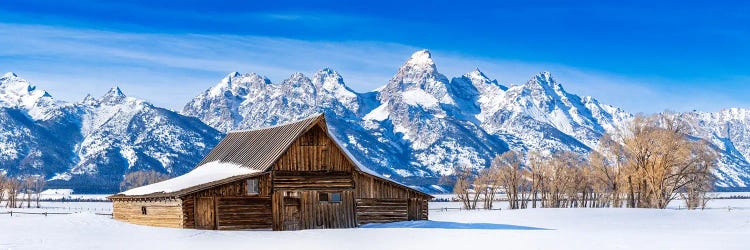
(450, 225)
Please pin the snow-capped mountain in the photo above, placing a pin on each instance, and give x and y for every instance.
(729, 132)
(92, 144)
(415, 129)
(421, 124)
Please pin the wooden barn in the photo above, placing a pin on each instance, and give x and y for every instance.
(287, 177)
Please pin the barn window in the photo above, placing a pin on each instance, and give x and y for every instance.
(252, 186)
(329, 197)
(335, 197)
(144, 211)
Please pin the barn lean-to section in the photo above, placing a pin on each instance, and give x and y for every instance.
(296, 177)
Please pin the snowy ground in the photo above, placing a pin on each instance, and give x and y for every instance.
(715, 228)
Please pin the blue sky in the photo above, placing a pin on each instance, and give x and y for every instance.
(640, 56)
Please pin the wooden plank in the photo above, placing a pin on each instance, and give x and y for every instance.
(371, 210)
(160, 212)
(205, 213)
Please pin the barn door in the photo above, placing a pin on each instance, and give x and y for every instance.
(292, 218)
(205, 213)
(413, 209)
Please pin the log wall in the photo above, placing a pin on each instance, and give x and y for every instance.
(244, 213)
(159, 212)
(234, 189)
(370, 190)
(302, 209)
(381, 210)
(320, 180)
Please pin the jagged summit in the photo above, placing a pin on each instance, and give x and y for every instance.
(17, 92)
(546, 81)
(420, 60)
(114, 95)
(327, 71)
(296, 76)
(10, 75)
(328, 79)
(88, 100)
(477, 73)
(237, 84)
(114, 92)
(544, 77)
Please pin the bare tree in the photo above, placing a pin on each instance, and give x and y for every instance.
(663, 161)
(3, 180)
(141, 178)
(13, 187)
(37, 186)
(608, 166)
(512, 176)
(488, 183)
(27, 185)
(536, 175)
(463, 187)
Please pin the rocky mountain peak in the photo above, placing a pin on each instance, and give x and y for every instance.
(238, 85)
(298, 76)
(9, 75)
(88, 100)
(479, 78)
(418, 75)
(297, 80)
(328, 80)
(543, 79)
(114, 92)
(18, 92)
(543, 85)
(421, 59)
(113, 96)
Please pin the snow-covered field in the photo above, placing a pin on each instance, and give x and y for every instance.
(716, 228)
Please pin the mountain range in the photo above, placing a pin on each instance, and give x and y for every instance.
(414, 129)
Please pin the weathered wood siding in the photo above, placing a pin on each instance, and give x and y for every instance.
(205, 213)
(159, 212)
(313, 151)
(188, 212)
(295, 210)
(320, 180)
(380, 196)
(244, 213)
(381, 210)
(418, 208)
(232, 190)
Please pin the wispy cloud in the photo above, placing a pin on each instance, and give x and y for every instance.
(169, 69)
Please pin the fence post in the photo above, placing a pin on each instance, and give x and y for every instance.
(11, 213)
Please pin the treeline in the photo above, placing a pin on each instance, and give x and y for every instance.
(648, 166)
(17, 190)
(141, 178)
(24, 191)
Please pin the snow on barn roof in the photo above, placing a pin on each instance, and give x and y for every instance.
(206, 173)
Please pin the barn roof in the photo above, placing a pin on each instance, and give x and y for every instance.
(258, 149)
(254, 150)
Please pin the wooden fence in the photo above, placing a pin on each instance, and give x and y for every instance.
(47, 213)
